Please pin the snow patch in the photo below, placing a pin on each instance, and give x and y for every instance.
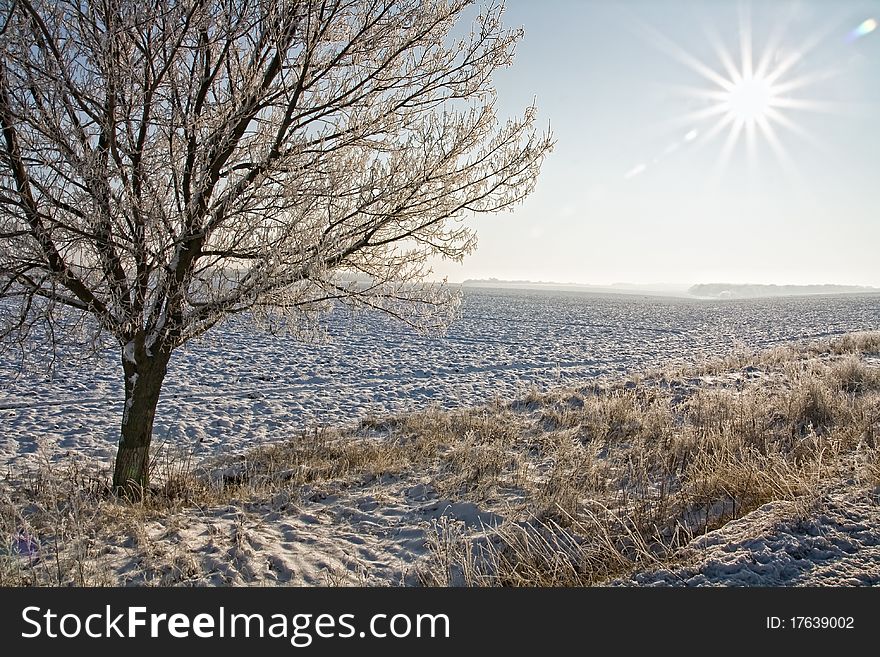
(128, 352)
(776, 545)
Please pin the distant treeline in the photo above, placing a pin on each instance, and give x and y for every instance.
(728, 291)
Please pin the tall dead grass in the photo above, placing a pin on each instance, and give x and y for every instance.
(627, 474)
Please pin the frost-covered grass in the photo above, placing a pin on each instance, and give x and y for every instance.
(585, 484)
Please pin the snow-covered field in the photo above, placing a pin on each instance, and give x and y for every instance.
(238, 386)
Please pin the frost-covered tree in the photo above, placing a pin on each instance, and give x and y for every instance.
(167, 163)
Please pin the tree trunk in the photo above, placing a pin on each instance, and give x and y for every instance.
(143, 383)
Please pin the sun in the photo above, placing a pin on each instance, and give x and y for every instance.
(750, 100)
(750, 95)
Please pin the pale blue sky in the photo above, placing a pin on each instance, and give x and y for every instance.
(635, 191)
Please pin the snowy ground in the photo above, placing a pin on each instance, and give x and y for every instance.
(238, 387)
(837, 543)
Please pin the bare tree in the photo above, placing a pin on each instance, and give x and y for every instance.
(167, 163)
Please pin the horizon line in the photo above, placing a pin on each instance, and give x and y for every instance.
(660, 284)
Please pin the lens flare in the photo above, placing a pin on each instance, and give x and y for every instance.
(866, 27)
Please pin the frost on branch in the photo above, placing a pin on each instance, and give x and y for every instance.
(167, 163)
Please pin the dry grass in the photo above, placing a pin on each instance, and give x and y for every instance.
(626, 473)
(593, 482)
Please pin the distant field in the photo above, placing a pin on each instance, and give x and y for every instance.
(239, 387)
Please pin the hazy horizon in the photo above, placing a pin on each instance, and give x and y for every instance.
(659, 284)
(697, 142)
(713, 289)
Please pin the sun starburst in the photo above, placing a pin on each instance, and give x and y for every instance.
(752, 98)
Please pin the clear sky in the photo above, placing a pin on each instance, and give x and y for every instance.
(697, 141)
